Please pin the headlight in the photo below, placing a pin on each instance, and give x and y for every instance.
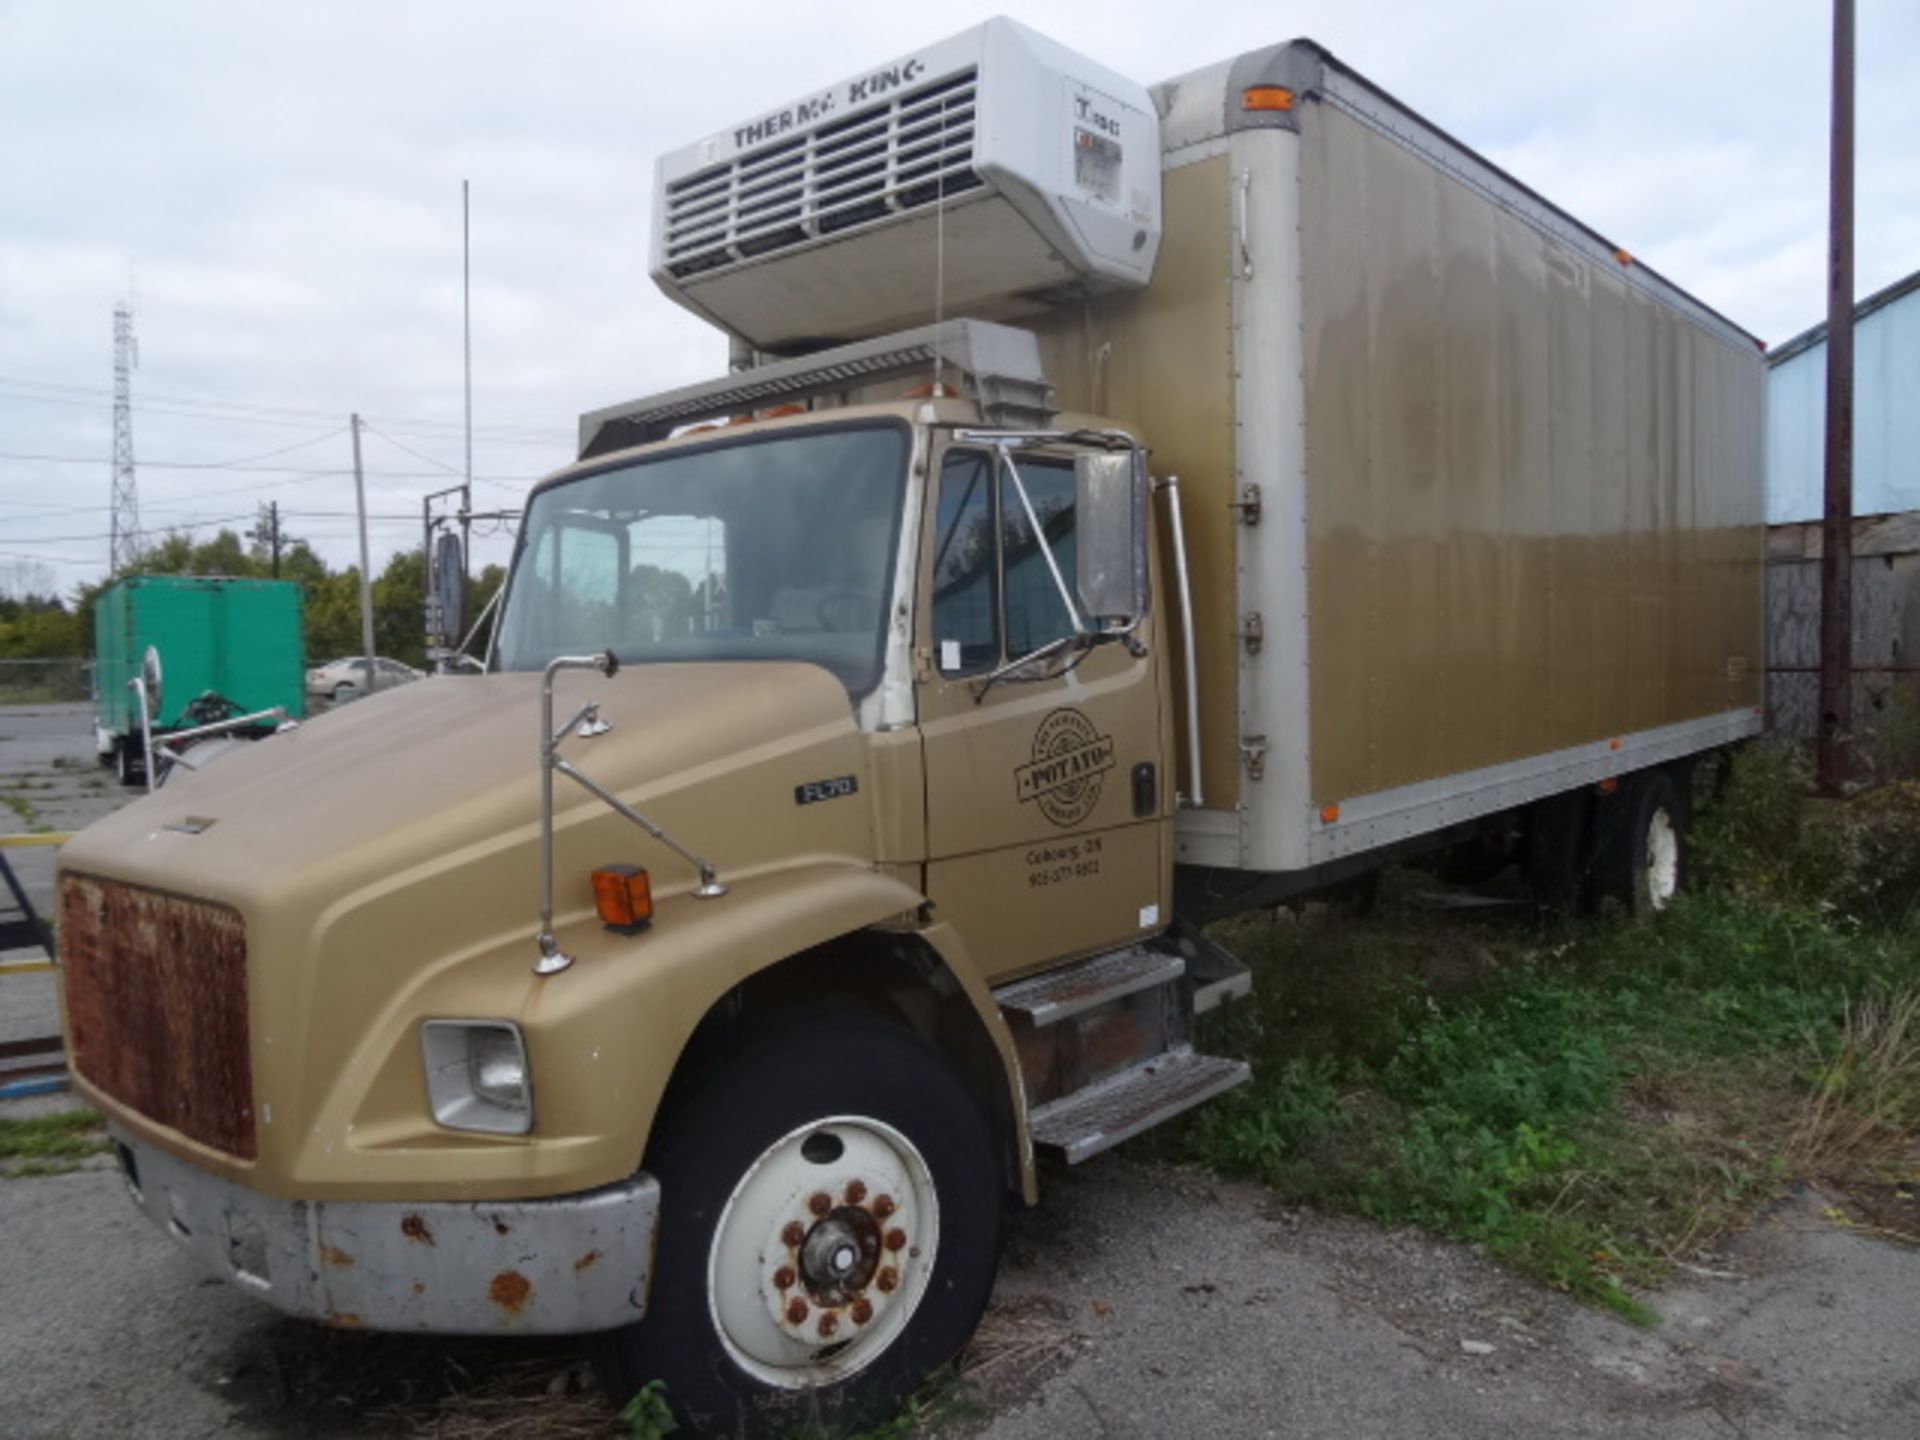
(477, 1075)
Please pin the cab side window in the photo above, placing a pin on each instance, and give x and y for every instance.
(966, 609)
(1036, 615)
(994, 594)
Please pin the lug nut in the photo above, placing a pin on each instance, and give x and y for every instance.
(887, 1279)
(862, 1311)
(794, 1235)
(828, 1324)
(784, 1277)
(896, 1239)
(821, 1203)
(883, 1206)
(856, 1192)
(796, 1311)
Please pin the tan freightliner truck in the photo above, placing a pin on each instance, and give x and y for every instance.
(867, 730)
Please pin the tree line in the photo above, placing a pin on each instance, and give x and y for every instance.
(38, 624)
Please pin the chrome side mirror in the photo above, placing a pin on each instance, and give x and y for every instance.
(447, 590)
(1110, 536)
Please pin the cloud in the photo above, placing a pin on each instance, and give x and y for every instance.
(289, 181)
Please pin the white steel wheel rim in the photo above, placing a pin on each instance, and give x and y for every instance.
(1663, 859)
(797, 1295)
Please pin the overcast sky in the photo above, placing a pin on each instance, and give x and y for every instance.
(285, 184)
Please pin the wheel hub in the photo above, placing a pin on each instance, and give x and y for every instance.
(840, 1255)
(824, 1251)
(1663, 860)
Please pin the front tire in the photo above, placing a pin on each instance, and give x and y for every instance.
(829, 1232)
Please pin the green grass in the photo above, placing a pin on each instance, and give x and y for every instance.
(1593, 1101)
(50, 1144)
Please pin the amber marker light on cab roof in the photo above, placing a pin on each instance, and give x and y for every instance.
(623, 894)
(1266, 97)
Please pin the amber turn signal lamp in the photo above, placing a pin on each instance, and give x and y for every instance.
(1266, 97)
(1329, 814)
(1608, 785)
(623, 894)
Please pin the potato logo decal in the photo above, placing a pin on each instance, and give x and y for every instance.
(1069, 759)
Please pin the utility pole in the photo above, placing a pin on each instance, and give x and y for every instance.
(123, 543)
(273, 534)
(466, 328)
(366, 578)
(1836, 552)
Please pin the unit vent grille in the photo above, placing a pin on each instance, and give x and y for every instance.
(889, 158)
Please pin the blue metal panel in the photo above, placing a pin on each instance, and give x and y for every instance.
(1886, 416)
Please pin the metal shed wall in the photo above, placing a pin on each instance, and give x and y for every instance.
(1886, 412)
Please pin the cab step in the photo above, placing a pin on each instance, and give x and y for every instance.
(1074, 989)
(1081, 1125)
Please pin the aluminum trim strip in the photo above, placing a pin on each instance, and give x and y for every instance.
(1406, 811)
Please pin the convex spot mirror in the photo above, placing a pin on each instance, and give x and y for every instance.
(1110, 536)
(150, 677)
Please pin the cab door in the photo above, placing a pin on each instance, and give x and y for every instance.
(1048, 805)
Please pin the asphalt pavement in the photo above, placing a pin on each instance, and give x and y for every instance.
(1136, 1301)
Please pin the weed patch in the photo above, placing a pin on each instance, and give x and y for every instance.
(1594, 1102)
(50, 1144)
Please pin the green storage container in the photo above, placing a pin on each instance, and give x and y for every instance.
(240, 639)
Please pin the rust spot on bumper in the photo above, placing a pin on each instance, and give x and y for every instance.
(417, 1230)
(345, 1320)
(333, 1255)
(510, 1290)
(586, 1261)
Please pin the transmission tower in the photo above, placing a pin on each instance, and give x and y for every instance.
(124, 545)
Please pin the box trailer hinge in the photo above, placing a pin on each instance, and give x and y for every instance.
(1253, 749)
(1248, 505)
(1253, 631)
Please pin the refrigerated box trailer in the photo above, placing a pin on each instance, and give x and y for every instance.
(206, 647)
(1122, 507)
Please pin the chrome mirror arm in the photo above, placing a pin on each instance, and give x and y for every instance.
(586, 723)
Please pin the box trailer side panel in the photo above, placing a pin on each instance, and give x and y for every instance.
(260, 663)
(1473, 504)
(1163, 358)
(1533, 489)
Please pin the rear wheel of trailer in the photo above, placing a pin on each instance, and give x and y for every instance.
(1640, 856)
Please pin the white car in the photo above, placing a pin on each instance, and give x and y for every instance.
(346, 679)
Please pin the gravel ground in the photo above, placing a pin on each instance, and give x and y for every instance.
(1137, 1301)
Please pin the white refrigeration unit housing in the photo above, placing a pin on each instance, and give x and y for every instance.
(991, 175)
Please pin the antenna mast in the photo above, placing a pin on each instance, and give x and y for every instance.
(124, 541)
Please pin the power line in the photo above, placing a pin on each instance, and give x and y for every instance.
(77, 539)
(418, 455)
(51, 392)
(255, 469)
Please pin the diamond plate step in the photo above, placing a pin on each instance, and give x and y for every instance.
(1053, 997)
(1083, 1124)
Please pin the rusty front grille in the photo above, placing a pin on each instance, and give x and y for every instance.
(156, 989)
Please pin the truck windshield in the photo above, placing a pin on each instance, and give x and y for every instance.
(773, 548)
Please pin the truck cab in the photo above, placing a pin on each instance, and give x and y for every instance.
(857, 890)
